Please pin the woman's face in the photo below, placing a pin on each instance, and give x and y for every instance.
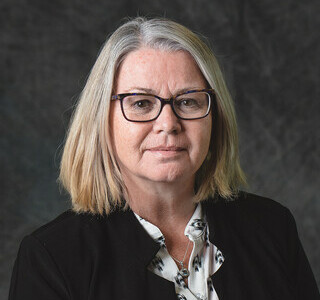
(167, 149)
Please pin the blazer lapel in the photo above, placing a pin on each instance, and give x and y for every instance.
(229, 231)
(137, 249)
(159, 288)
(220, 279)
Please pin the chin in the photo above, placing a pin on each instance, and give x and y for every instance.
(167, 176)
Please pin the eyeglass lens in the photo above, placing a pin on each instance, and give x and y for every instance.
(147, 107)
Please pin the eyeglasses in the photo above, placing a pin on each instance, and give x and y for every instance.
(141, 107)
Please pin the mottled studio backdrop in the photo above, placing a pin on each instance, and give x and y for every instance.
(269, 51)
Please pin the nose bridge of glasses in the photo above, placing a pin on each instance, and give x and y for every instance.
(165, 101)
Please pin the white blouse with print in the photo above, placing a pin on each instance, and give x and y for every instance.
(204, 261)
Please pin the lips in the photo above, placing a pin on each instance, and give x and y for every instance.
(166, 148)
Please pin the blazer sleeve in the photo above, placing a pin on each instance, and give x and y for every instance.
(304, 280)
(35, 274)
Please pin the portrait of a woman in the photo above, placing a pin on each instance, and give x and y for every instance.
(152, 167)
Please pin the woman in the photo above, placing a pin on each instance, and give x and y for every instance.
(151, 164)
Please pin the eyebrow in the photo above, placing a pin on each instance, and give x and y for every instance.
(151, 91)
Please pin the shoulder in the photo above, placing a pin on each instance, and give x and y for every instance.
(247, 204)
(74, 241)
(250, 214)
(65, 226)
(64, 223)
(254, 222)
(71, 231)
(263, 232)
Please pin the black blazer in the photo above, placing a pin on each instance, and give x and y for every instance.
(82, 256)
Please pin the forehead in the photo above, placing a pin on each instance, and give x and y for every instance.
(158, 70)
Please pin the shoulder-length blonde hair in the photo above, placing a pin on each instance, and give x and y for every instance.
(89, 170)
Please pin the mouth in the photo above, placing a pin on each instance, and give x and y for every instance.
(164, 151)
(161, 148)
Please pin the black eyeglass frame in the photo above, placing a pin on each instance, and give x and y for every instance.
(164, 101)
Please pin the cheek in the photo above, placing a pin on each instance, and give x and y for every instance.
(118, 128)
(127, 137)
(124, 138)
(200, 138)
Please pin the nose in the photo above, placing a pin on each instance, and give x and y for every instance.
(167, 121)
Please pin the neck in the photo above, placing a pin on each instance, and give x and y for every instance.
(169, 206)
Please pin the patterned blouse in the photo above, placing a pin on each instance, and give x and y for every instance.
(204, 261)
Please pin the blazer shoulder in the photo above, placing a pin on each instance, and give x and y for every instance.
(259, 204)
(65, 220)
(246, 201)
(70, 226)
(250, 210)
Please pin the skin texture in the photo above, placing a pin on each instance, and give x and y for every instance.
(165, 74)
(159, 159)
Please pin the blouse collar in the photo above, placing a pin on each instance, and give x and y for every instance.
(195, 229)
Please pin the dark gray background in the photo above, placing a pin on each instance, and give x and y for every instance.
(269, 51)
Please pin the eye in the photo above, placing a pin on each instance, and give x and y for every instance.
(187, 102)
(139, 103)
(142, 104)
